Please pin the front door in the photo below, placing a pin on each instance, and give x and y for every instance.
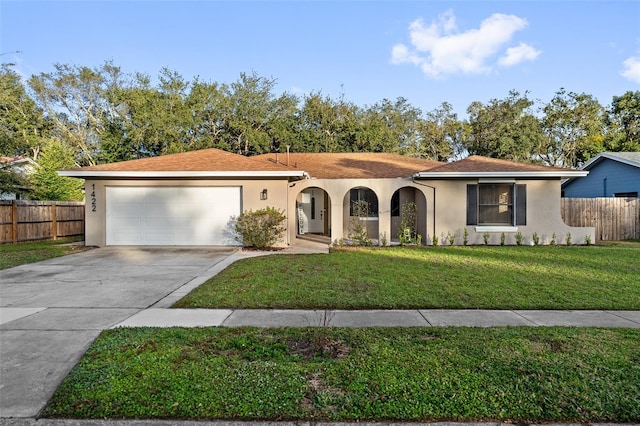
(313, 208)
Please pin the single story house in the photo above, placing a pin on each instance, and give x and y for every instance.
(611, 174)
(23, 166)
(191, 198)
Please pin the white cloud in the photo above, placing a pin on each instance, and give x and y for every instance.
(440, 48)
(632, 69)
(515, 55)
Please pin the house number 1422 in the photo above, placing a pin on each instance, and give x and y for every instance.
(93, 198)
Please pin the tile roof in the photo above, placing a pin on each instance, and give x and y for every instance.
(352, 165)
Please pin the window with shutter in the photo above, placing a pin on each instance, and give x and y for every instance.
(496, 204)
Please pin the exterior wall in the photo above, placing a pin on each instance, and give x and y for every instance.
(96, 218)
(605, 178)
(441, 207)
(543, 215)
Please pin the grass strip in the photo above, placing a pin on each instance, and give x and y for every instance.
(521, 374)
(22, 253)
(442, 277)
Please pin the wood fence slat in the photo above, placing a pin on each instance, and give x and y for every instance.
(25, 220)
(612, 218)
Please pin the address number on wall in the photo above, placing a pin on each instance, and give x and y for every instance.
(94, 202)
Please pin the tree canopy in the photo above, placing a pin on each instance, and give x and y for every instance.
(102, 114)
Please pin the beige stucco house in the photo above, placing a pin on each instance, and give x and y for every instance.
(191, 198)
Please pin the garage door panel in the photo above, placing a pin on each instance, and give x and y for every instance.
(171, 215)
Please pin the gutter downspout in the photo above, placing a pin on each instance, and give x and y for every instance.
(413, 179)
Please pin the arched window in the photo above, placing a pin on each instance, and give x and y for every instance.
(364, 194)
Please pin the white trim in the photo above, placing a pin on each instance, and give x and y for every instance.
(178, 174)
(484, 180)
(482, 228)
(470, 175)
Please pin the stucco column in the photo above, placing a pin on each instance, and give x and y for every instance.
(336, 220)
(384, 225)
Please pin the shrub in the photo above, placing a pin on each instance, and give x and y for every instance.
(536, 239)
(486, 237)
(503, 237)
(553, 239)
(451, 238)
(408, 221)
(519, 238)
(568, 238)
(465, 237)
(358, 232)
(261, 228)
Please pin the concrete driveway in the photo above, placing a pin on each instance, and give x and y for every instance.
(51, 311)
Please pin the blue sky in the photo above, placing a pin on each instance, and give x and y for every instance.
(427, 52)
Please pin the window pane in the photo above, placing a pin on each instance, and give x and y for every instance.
(495, 215)
(495, 204)
(495, 194)
(364, 194)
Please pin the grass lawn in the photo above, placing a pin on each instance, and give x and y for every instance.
(19, 254)
(544, 277)
(519, 374)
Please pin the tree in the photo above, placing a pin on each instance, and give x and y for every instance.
(573, 125)
(624, 123)
(12, 182)
(73, 98)
(249, 107)
(327, 125)
(387, 127)
(440, 134)
(505, 129)
(47, 184)
(148, 121)
(22, 125)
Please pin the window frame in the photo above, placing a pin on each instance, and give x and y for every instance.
(518, 213)
(360, 192)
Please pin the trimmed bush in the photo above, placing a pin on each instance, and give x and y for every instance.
(261, 228)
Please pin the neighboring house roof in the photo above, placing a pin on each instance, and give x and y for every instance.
(22, 165)
(629, 158)
(352, 165)
(477, 166)
(210, 162)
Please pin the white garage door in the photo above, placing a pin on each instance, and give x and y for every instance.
(171, 215)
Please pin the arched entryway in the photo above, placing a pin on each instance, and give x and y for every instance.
(355, 217)
(405, 202)
(313, 212)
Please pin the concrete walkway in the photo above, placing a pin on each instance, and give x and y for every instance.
(51, 311)
(378, 318)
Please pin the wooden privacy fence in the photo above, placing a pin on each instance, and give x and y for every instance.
(613, 218)
(22, 220)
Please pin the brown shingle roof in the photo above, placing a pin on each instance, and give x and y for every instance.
(204, 160)
(352, 165)
(476, 163)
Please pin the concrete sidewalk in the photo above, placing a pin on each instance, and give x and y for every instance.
(378, 318)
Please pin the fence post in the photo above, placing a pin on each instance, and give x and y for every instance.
(54, 221)
(14, 221)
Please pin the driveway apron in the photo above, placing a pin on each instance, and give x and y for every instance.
(51, 311)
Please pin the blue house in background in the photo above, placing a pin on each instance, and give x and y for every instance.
(611, 174)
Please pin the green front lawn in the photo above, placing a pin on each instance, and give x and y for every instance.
(522, 374)
(549, 277)
(19, 254)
